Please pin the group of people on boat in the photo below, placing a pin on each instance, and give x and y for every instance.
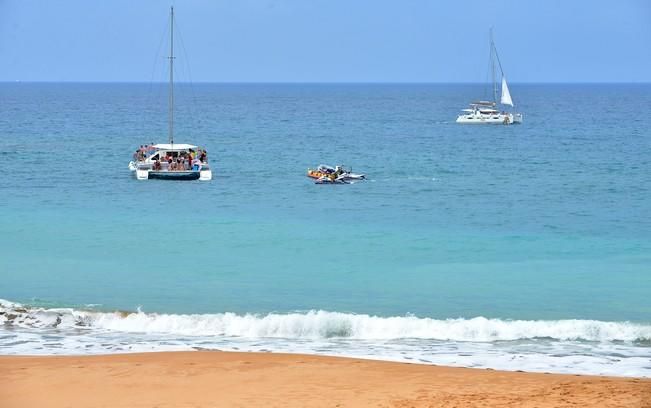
(183, 162)
(333, 175)
(172, 161)
(143, 151)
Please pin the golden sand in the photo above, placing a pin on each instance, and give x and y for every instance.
(225, 379)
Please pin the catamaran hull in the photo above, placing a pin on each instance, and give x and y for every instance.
(510, 119)
(203, 175)
(174, 175)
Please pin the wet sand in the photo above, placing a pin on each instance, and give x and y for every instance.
(226, 379)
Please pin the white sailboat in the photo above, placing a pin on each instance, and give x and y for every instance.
(486, 112)
(171, 161)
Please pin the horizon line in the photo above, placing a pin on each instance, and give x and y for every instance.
(324, 82)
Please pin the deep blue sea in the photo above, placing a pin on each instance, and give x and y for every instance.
(511, 247)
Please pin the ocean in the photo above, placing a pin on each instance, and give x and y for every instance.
(508, 247)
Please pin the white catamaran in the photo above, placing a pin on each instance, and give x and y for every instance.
(171, 161)
(486, 112)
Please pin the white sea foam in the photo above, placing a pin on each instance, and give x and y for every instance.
(574, 346)
(326, 325)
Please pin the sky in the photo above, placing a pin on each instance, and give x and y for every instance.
(326, 40)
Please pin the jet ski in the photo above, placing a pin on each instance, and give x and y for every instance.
(331, 179)
(353, 176)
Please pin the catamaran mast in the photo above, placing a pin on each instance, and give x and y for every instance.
(497, 56)
(171, 90)
(492, 58)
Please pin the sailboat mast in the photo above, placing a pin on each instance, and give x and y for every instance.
(497, 56)
(492, 58)
(171, 90)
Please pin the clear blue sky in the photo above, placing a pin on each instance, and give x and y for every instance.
(327, 40)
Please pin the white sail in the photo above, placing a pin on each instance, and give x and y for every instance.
(506, 96)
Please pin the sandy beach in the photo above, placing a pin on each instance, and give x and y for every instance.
(219, 379)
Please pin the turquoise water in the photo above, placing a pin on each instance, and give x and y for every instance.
(544, 222)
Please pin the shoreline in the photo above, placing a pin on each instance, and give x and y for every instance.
(218, 378)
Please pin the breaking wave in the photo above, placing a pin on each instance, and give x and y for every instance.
(323, 325)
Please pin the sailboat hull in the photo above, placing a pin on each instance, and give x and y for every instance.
(496, 119)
